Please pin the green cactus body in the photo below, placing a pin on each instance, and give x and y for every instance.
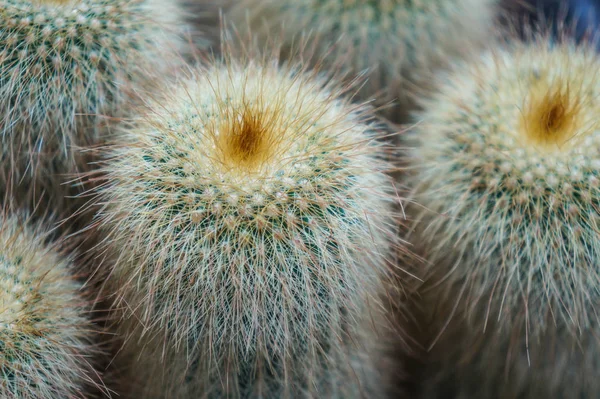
(45, 337)
(506, 163)
(64, 67)
(400, 42)
(251, 219)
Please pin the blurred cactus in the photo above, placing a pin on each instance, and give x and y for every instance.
(45, 337)
(506, 164)
(64, 66)
(251, 221)
(399, 42)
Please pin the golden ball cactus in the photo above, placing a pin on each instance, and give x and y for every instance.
(66, 67)
(251, 219)
(47, 344)
(506, 165)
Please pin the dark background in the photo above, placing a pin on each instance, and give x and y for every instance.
(582, 15)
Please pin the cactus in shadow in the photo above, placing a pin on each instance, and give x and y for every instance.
(506, 167)
(46, 339)
(251, 221)
(399, 42)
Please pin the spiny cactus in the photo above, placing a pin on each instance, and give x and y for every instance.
(506, 165)
(45, 336)
(64, 65)
(399, 41)
(251, 220)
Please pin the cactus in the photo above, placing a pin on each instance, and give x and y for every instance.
(399, 42)
(251, 220)
(46, 339)
(64, 66)
(506, 163)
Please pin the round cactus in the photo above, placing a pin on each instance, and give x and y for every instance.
(45, 336)
(506, 165)
(251, 220)
(64, 66)
(399, 42)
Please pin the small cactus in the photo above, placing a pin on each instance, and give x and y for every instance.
(251, 220)
(507, 167)
(64, 65)
(399, 42)
(45, 336)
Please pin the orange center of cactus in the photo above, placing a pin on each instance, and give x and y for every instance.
(246, 139)
(551, 117)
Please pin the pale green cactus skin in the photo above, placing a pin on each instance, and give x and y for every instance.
(67, 69)
(506, 164)
(251, 219)
(46, 339)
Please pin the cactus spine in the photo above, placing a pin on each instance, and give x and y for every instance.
(506, 164)
(64, 66)
(45, 336)
(251, 219)
(399, 42)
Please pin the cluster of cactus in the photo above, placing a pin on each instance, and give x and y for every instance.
(251, 217)
(506, 165)
(68, 68)
(398, 42)
(247, 229)
(46, 337)
(65, 68)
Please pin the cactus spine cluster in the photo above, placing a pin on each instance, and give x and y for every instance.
(506, 165)
(251, 218)
(400, 42)
(45, 336)
(64, 66)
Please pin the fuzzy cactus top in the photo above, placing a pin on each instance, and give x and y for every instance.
(507, 165)
(45, 336)
(251, 205)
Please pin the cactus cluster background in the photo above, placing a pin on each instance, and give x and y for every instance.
(299, 199)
